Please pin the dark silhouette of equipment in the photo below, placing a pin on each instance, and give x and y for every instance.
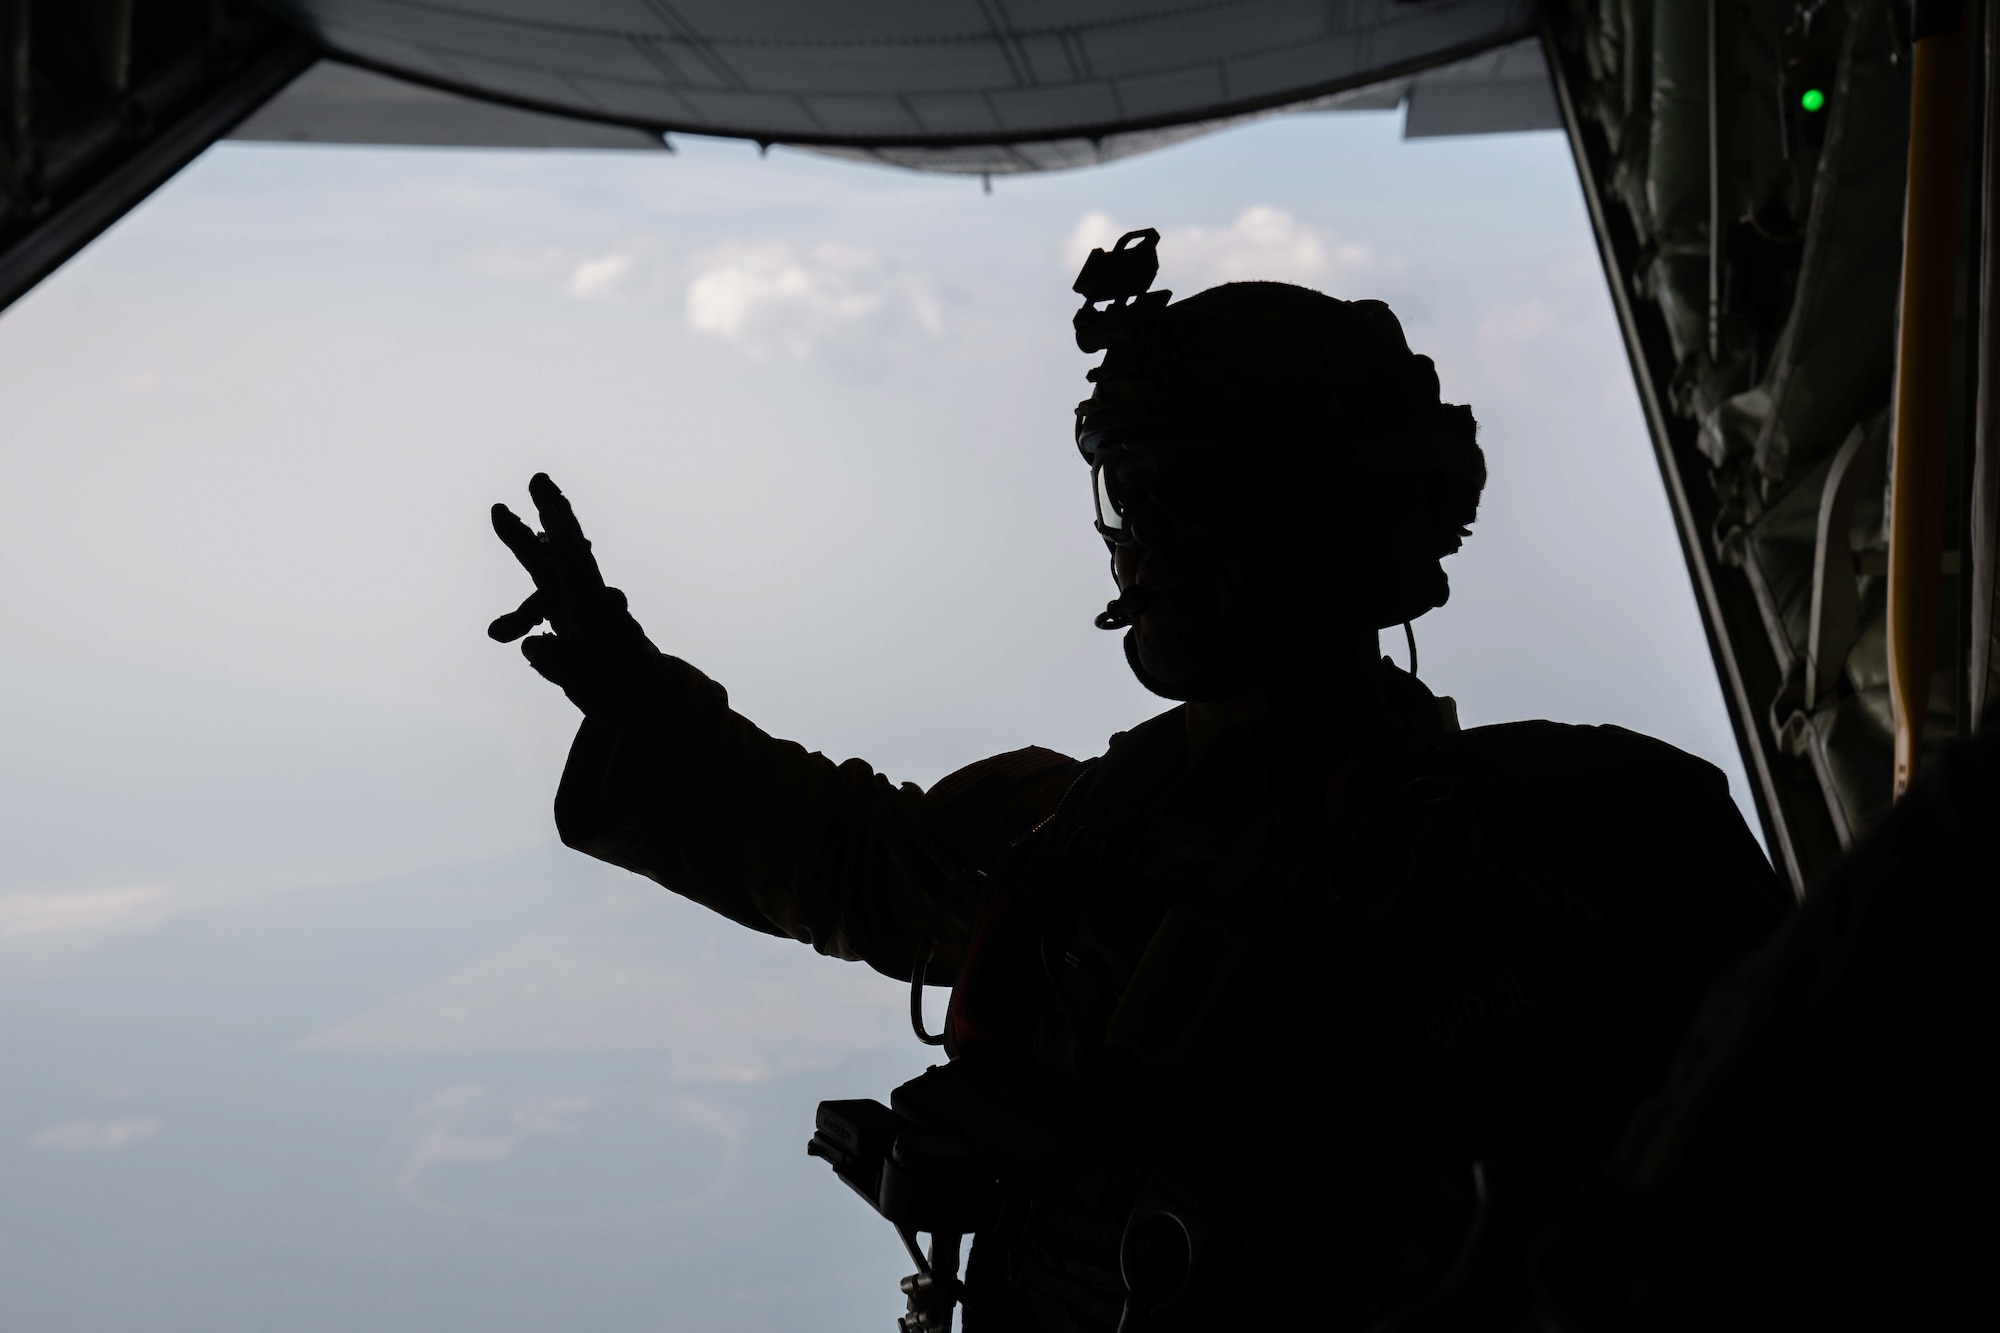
(930, 1164)
(1120, 277)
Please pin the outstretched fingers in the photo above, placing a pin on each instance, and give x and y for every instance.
(525, 543)
(570, 594)
(507, 628)
(568, 549)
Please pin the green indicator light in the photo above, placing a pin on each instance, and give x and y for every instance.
(1813, 100)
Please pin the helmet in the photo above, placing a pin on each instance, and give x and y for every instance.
(1321, 396)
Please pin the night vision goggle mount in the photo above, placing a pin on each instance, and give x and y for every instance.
(1120, 277)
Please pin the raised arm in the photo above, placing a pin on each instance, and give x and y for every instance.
(665, 780)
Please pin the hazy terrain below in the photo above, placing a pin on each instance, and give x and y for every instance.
(522, 1095)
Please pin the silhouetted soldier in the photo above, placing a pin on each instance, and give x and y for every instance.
(1295, 973)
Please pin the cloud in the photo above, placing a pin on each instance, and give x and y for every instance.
(1093, 231)
(1263, 243)
(636, 271)
(602, 278)
(93, 909)
(769, 299)
(95, 1135)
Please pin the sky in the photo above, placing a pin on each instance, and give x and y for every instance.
(306, 1020)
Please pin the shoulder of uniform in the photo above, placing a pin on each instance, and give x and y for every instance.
(1024, 765)
(1542, 751)
(985, 806)
(1608, 797)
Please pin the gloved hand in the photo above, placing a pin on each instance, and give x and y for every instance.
(598, 654)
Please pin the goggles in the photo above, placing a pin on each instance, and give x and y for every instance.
(1177, 488)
